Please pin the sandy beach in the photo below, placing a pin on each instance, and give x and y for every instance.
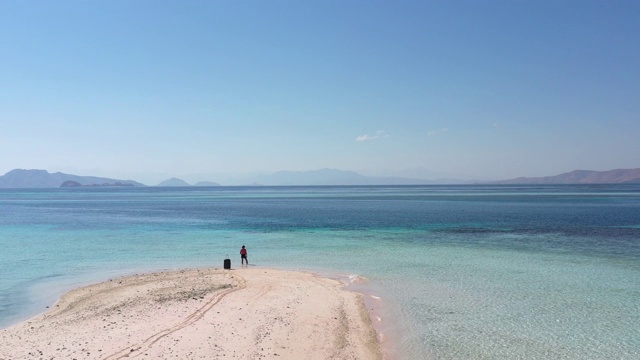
(246, 313)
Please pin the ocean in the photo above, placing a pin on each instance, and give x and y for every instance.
(462, 272)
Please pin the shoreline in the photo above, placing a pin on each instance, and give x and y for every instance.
(378, 311)
(202, 313)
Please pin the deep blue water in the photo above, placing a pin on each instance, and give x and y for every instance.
(467, 271)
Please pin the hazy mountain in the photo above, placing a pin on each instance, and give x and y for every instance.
(332, 177)
(206, 183)
(618, 176)
(20, 178)
(41, 178)
(173, 182)
(423, 173)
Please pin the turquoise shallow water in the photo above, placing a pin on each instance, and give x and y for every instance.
(494, 272)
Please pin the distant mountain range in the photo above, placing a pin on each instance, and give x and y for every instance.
(618, 176)
(340, 177)
(337, 177)
(175, 182)
(206, 183)
(41, 178)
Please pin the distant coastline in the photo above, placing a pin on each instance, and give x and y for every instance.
(20, 178)
(71, 183)
(617, 176)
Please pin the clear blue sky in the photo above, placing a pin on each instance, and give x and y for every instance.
(489, 89)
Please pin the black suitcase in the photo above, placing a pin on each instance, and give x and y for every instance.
(227, 264)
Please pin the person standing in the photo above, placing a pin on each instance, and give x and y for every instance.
(243, 255)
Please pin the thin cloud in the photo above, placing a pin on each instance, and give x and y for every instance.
(365, 137)
(380, 134)
(437, 132)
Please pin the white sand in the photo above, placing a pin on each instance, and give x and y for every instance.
(247, 313)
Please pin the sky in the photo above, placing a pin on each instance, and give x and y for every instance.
(490, 89)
